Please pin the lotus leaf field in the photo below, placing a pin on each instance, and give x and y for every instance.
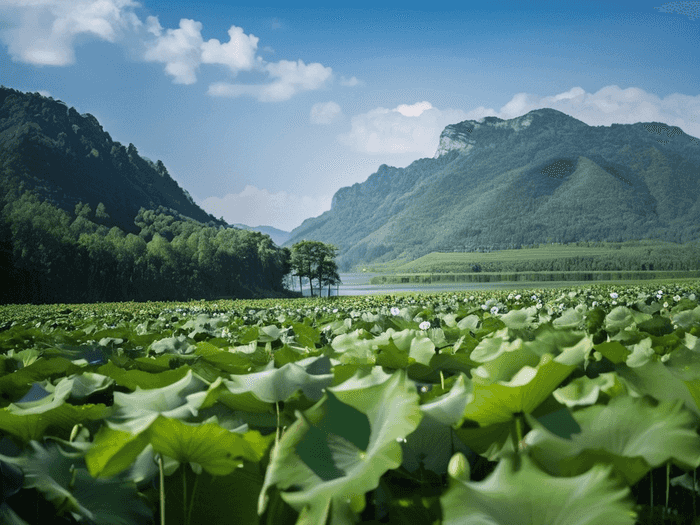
(569, 406)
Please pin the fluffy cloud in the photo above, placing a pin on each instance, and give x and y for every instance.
(182, 50)
(259, 207)
(612, 104)
(405, 129)
(43, 32)
(325, 112)
(289, 77)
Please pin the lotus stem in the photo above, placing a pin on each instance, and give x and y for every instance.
(668, 482)
(162, 489)
(194, 489)
(442, 380)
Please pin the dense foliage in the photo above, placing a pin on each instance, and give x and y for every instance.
(50, 255)
(507, 185)
(534, 407)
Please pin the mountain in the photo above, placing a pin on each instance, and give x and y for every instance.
(279, 237)
(496, 184)
(67, 158)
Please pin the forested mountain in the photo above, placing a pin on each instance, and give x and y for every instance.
(542, 177)
(87, 219)
(67, 158)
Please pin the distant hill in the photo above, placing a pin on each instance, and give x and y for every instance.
(279, 237)
(67, 158)
(497, 184)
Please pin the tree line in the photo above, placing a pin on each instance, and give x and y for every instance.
(52, 256)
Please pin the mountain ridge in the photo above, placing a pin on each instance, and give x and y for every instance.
(497, 183)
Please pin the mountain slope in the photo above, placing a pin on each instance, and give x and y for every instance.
(66, 158)
(541, 177)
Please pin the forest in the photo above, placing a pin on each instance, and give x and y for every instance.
(52, 256)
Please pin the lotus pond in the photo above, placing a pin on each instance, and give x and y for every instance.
(569, 406)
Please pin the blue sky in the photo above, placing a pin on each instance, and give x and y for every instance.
(263, 113)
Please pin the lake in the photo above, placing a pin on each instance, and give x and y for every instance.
(358, 284)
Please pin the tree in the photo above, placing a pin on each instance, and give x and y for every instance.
(315, 260)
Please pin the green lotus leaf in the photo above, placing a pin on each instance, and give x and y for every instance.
(497, 401)
(16, 384)
(570, 318)
(306, 335)
(171, 401)
(85, 384)
(133, 379)
(469, 323)
(634, 435)
(517, 492)
(422, 350)
(494, 346)
(432, 442)
(618, 319)
(684, 361)
(687, 318)
(172, 345)
(657, 380)
(114, 451)
(614, 351)
(62, 478)
(255, 392)
(584, 390)
(32, 423)
(355, 348)
(338, 449)
(215, 449)
(641, 353)
(519, 319)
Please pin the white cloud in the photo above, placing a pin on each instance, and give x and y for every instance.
(259, 207)
(325, 112)
(414, 110)
(612, 105)
(289, 77)
(237, 54)
(350, 82)
(43, 32)
(405, 129)
(182, 50)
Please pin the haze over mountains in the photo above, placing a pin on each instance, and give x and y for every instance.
(541, 177)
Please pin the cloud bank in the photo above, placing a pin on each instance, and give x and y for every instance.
(416, 128)
(259, 207)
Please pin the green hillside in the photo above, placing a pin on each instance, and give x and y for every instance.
(540, 178)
